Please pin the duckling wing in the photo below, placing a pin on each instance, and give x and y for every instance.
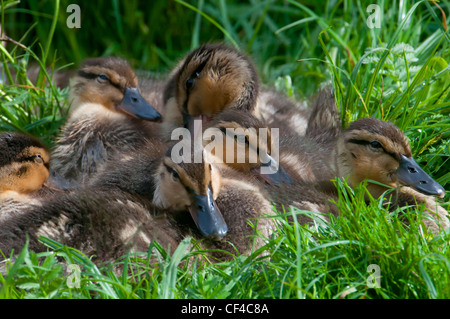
(324, 122)
(86, 145)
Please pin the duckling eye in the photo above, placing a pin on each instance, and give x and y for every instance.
(375, 145)
(191, 80)
(102, 78)
(175, 175)
(173, 172)
(38, 159)
(189, 84)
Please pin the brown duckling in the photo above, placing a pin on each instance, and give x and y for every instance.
(269, 162)
(108, 117)
(210, 79)
(219, 202)
(24, 166)
(104, 225)
(220, 85)
(241, 141)
(369, 149)
(216, 77)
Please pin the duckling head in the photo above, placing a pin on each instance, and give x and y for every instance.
(191, 186)
(24, 163)
(379, 151)
(111, 83)
(210, 79)
(242, 142)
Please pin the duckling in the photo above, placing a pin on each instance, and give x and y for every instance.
(108, 117)
(246, 144)
(207, 81)
(369, 149)
(267, 162)
(219, 202)
(324, 122)
(216, 77)
(135, 200)
(24, 166)
(376, 150)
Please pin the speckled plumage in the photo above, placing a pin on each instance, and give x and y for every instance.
(96, 130)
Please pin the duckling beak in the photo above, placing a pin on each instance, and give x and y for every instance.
(410, 174)
(135, 105)
(208, 217)
(273, 173)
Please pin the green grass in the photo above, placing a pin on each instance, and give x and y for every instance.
(399, 72)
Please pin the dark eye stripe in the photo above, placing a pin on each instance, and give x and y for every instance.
(172, 171)
(360, 142)
(363, 142)
(196, 73)
(87, 75)
(31, 159)
(26, 159)
(247, 142)
(92, 76)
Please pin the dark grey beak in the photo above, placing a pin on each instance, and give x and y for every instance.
(410, 174)
(274, 173)
(208, 217)
(135, 105)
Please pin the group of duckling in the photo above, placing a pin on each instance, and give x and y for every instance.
(111, 184)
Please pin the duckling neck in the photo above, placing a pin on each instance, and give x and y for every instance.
(94, 111)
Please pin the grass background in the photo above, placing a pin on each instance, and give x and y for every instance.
(398, 72)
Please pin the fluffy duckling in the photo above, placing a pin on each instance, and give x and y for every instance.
(210, 79)
(241, 141)
(376, 150)
(108, 118)
(369, 149)
(220, 86)
(183, 180)
(24, 166)
(139, 199)
(216, 77)
(324, 123)
(152, 90)
(172, 182)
